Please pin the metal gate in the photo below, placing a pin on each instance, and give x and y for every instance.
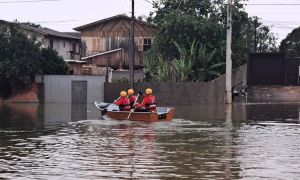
(267, 69)
(79, 100)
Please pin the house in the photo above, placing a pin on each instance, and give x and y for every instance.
(66, 45)
(106, 42)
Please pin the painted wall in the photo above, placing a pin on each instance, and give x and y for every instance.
(58, 88)
(58, 113)
(63, 46)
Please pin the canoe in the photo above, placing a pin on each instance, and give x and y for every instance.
(163, 113)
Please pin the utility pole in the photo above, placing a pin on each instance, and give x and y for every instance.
(255, 34)
(228, 54)
(132, 49)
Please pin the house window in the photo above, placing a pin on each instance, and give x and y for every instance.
(94, 44)
(73, 50)
(147, 44)
(140, 44)
(51, 44)
(98, 44)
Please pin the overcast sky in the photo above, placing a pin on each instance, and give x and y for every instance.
(64, 15)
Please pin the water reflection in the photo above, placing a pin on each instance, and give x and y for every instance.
(202, 142)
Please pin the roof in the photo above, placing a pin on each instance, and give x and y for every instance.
(45, 31)
(100, 54)
(51, 32)
(121, 16)
(77, 34)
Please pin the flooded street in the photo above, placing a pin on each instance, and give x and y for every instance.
(55, 141)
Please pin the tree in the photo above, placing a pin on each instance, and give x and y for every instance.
(205, 21)
(22, 57)
(19, 55)
(291, 44)
(260, 38)
(52, 63)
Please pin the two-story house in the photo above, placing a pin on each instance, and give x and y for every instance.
(106, 42)
(67, 45)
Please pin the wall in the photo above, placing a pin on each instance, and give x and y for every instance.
(115, 75)
(55, 113)
(115, 34)
(63, 46)
(266, 69)
(182, 93)
(57, 88)
(76, 68)
(292, 71)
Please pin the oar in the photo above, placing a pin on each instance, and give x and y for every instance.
(117, 99)
(133, 107)
(104, 110)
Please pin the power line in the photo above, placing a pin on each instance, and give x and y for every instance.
(26, 1)
(143, 5)
(277, 4)
(148, 1)
(63, 21)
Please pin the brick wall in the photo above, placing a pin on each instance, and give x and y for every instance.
(182, 93)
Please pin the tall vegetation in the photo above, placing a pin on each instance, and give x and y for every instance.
(291, 44)
(22, 57)
(194, 64)
(184, 26)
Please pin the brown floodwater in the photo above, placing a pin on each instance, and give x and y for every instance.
(61, 141)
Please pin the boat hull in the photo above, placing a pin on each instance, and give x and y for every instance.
(141, 116)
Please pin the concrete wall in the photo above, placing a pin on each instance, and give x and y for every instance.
(57, 113)
(58, 88)
(182, 93)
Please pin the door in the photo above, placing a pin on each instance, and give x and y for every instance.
(79, 100)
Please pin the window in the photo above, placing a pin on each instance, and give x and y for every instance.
(94, 45)
(140, 44)
(147, 44)
(51, 44)
(98, 44)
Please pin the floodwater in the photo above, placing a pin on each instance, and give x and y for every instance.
(59, 141)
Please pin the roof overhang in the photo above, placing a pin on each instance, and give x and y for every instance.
(74, 61)
(101, 54)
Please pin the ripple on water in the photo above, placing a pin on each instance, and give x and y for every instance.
(179, 149)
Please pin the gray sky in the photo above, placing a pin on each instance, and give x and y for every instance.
(64, 15)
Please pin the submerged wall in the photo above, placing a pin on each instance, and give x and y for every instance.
(70, 88)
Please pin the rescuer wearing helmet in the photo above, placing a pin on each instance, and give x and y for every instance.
(123, 102)
(149, 101)
(131, 96)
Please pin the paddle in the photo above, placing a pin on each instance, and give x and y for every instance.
(104, 108)
(117, 99)
(133, 107)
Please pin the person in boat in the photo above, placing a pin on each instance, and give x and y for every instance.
(132, 97)
(148, 103)
(123, 102)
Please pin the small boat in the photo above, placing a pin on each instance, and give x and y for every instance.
(112, 111)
